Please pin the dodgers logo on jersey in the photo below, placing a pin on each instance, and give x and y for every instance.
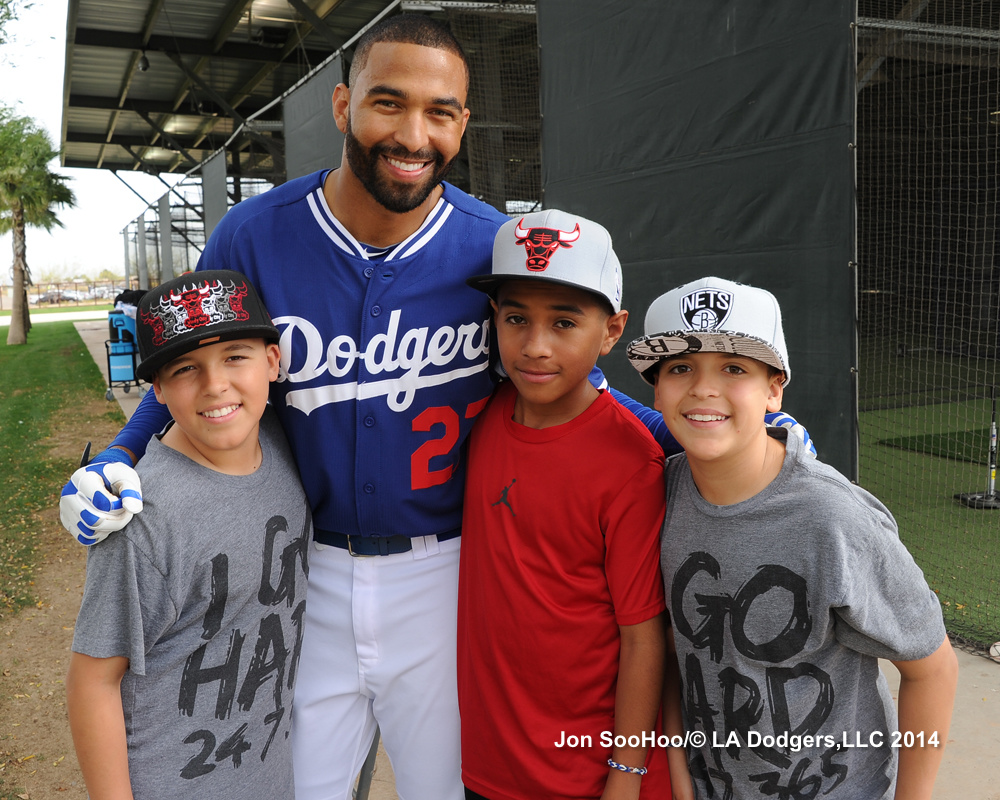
(205, 303)
(706, 309)
(410, 360)
(542, 243)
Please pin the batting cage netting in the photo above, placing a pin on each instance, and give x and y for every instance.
(928, 121)
(502, 140)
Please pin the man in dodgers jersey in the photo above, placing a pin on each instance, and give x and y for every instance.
(384, 367)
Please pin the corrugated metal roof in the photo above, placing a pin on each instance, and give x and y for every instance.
(205, 58)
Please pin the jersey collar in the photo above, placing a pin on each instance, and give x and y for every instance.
(343, 239)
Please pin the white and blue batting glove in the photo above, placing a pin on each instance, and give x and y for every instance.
(101, 497)
(783, 420)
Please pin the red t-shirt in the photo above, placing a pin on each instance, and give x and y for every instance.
(560, 546)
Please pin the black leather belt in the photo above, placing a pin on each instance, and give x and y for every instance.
(373, 545)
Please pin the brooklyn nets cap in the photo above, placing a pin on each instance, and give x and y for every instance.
(556, 247)
(711, 315)
(194, 310)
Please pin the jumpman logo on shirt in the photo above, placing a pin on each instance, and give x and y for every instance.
(503, 498)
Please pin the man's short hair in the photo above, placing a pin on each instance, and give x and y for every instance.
(407, 29)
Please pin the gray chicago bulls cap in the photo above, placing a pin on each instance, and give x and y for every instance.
(557, 247)
(197, 309)
(711, 315)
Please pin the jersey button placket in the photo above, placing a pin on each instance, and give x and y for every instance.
(371, 516)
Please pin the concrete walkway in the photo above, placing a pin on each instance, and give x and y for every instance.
(971, 768)
(94, 333)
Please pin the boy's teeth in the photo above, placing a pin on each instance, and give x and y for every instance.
(220, 412)
(705, 417)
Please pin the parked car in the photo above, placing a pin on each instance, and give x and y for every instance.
(58, 296)
(50, 297)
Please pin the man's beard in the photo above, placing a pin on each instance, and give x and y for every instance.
(398, 198)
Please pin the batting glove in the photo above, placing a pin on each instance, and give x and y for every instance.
(783, 420)
(101, 497)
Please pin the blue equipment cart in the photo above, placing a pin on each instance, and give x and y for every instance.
(122, 353)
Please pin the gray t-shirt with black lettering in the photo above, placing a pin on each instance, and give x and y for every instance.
(781, 606)
(204, 593)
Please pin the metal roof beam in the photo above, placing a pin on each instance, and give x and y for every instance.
(152, 14)
(292, 43)
(265, 141)
(168, 138)
(208, 108)
(869, 67)
(238, 51)
(149, 169)
(230, 21)
(317, 23)
(131, 140)
(232, 18)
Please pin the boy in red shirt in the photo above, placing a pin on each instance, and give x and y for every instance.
(561, 633)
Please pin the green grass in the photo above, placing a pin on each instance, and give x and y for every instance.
(38, 382)
(957, 547)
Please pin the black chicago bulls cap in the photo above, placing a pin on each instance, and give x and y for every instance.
(557, 247)
(197, 309)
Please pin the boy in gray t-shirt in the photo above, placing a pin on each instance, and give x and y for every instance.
(188, 638)
(784, 582)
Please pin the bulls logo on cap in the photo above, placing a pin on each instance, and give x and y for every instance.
(194, 310)
(706, 309)
(542, 243)
(589, 262)
(202, 304)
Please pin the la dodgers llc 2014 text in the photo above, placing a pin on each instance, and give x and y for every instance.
(786, 741)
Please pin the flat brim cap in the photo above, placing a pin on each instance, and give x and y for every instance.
(556, 247)
(711, 315)
(195, 310)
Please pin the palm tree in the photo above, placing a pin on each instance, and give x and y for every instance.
(8, 13)
(29, 191)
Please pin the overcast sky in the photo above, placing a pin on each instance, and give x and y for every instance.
(31, 82)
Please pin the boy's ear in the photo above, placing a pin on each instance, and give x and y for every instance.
(156, 388)
(273, 353)
(616, 327)
(494, 306)
(775, 391)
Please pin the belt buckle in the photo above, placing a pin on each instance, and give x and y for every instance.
(351, 550)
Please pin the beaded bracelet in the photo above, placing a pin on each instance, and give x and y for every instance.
(622, 768)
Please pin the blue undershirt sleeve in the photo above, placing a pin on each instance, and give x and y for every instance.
(649, 417)
(147, 420)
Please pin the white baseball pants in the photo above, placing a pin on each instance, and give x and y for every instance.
(379, 648)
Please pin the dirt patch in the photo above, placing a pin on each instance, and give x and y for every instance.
(37, 760)
(95, 420)
(36, 750)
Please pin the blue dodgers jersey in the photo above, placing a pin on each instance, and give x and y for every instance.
(384, 363)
